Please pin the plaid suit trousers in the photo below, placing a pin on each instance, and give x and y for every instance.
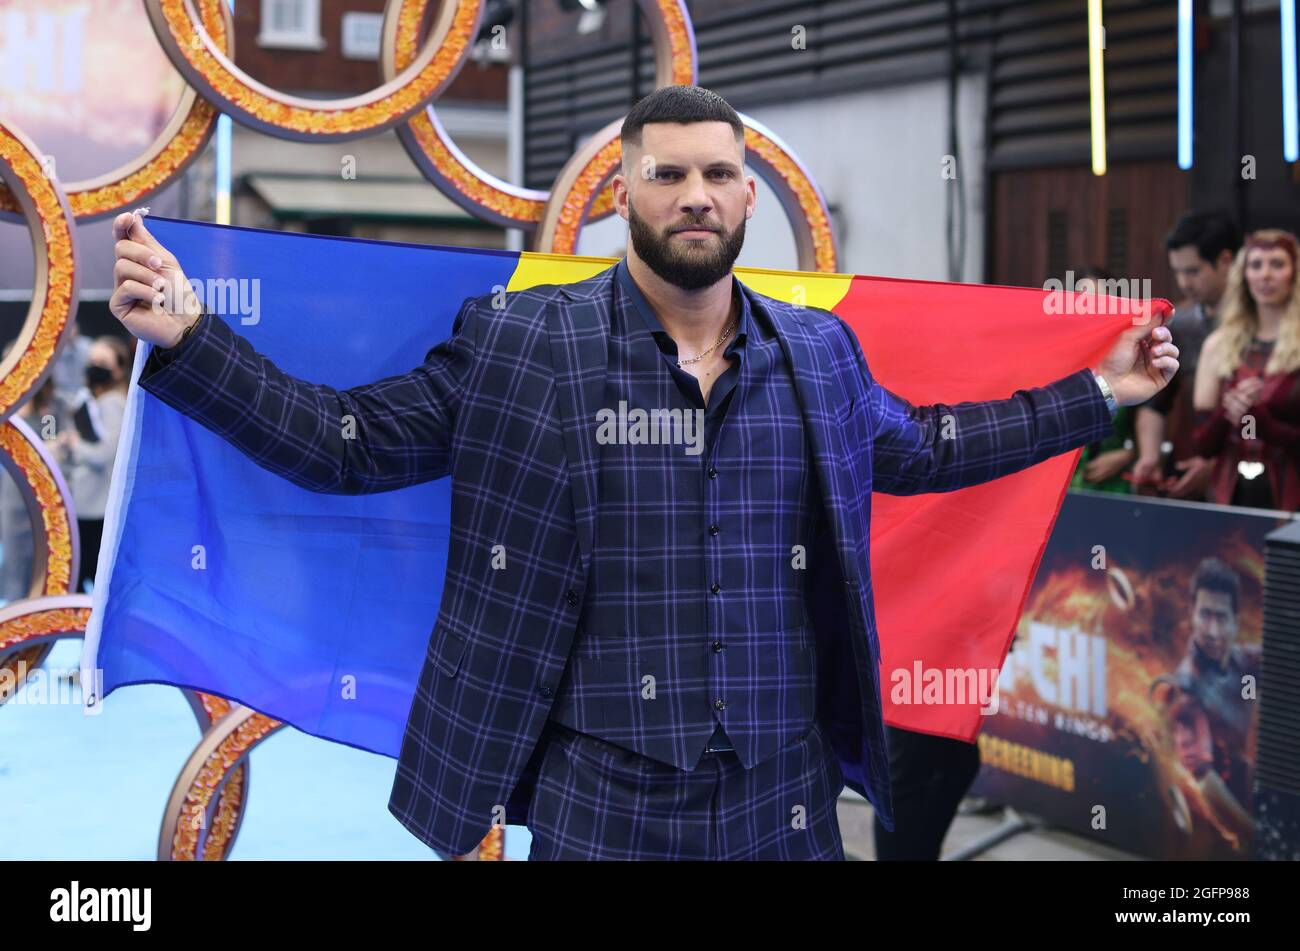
(595, 800)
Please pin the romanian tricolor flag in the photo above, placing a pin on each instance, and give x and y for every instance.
(291, 587)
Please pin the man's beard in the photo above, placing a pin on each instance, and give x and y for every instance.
(687, 268)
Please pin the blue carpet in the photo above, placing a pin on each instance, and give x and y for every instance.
(79, 787)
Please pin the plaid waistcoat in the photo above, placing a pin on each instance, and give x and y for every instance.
(695, 614)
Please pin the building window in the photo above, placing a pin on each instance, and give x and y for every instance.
(361, 32)
(291, 24)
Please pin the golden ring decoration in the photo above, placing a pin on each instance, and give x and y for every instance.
(460, 179)
(217, 79)
(49, 320)
(177, 145)
(205, 808)
(56, 559)
(585, 174)
(28, 630)
(206, 805)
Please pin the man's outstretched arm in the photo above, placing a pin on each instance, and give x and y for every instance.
(385, 435)
(943, 447)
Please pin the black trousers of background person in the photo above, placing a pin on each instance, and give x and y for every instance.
(90, 532)
(929, 776)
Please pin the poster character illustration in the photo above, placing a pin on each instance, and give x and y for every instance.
(1129, 702)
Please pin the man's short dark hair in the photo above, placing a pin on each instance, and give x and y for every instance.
(1210, 232)
(679, 104)
(1213, 574)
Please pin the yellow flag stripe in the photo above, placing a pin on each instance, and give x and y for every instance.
(809, 288)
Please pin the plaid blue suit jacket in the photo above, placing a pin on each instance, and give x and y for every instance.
(507, 407)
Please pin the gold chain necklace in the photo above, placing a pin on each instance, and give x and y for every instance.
(725, 334)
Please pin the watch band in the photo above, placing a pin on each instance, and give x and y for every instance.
(188, 330)
(1112, 405)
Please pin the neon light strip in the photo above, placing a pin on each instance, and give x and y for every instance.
(1097, 82)
(223, 161)
(1184, 84)
(223, 171)
(1290, 133)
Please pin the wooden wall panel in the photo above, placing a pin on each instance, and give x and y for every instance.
(1117, 220)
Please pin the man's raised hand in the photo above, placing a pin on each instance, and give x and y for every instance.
(151, 296)
(1141, 363)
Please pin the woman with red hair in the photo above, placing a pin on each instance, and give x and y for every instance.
(1247, 392)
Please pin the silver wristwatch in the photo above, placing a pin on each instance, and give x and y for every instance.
(1106, 392)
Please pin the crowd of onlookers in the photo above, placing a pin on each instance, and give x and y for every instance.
(1227, 428)
(78, 413)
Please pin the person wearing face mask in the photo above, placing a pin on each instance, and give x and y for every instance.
(1247, 392)
(87, 448)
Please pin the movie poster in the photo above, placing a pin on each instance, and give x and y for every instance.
(1128, 707)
